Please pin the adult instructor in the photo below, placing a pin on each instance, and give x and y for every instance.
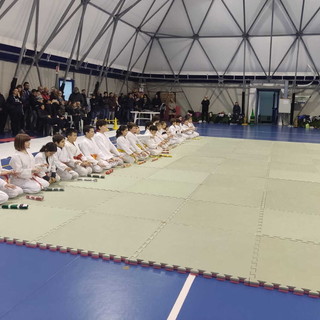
(205, 109)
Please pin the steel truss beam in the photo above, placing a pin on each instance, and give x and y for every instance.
(76, 40)
(8, 8)
(232, 16)
(102, 31)
(25, 38)
(160, 25)
(271, 38)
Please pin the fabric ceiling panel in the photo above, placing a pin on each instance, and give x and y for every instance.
(177, 24)
(49, 21)
(220, 51)
(176, 50)
(142, 11)
(124, 58)
(11, 26)
(219, 22)
(197, 13)
(202, 64)
(281, 22)
(156, 15)
(313, 46)
(236, 8)
(108, 6)
(62, 44)
(157, 62)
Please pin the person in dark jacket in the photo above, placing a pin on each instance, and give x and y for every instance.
(236, 109)
(130, 107)
(156, 102)
(34, 105)
(205, 109)
(25, 98)
(15, 109)
(3, 113)
(76, 96)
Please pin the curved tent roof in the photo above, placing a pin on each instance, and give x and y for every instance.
(262, 37)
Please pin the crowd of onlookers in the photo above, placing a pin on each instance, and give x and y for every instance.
(42, 111)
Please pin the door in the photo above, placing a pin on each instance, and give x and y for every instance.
(267, 106)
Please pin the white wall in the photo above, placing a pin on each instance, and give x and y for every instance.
(190, 96)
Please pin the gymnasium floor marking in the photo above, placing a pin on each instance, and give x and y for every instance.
(181, 298)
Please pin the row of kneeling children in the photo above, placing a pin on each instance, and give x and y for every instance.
(64, 159)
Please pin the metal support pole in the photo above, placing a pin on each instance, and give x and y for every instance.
(102, 31)
(243, 101)
(292, 108)
(271, 38)
(84, 8)
(8, 9)
(25, 38)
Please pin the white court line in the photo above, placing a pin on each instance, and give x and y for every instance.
(181, 298)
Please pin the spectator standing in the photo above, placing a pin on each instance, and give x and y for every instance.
(205, 109)
(3, 113)
(15, 109)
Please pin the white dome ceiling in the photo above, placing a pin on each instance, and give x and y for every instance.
(262, 37)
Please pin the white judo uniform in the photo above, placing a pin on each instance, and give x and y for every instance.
(153, 145)
(74, 158)
(93, 154)
(23, 164)
(176, 139)
(193, 129)
(187, 132)
(108, 150)
(136, 144)
(60, 160)
(162, 135)
(124, 147)
(47, 166)
(6, 193)
(144, 137)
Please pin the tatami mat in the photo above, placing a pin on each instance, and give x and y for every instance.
(241, 207)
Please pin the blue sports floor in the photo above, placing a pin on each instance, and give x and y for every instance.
(40, 284)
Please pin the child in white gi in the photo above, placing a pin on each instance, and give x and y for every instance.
(137, 145)
(193, 128)
(108, 150)
(154, 144)
(23, 164)
(174, 130)
(45, 161)
(124, 147)
(61, 158)
(75, 159)
(8, 190)
(92, 152)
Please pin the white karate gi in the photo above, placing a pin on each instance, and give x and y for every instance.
(153, 145)
(23, 164)
(136, 144)
(195, 133)
(72, 155)
(125, 149)
(108, 150)
(187, 132)
(162, 137)
(175, 138)
(93, 154)
(47, 166)
(6, 193)
(60, 160)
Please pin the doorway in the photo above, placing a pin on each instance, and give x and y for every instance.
(267, 106)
